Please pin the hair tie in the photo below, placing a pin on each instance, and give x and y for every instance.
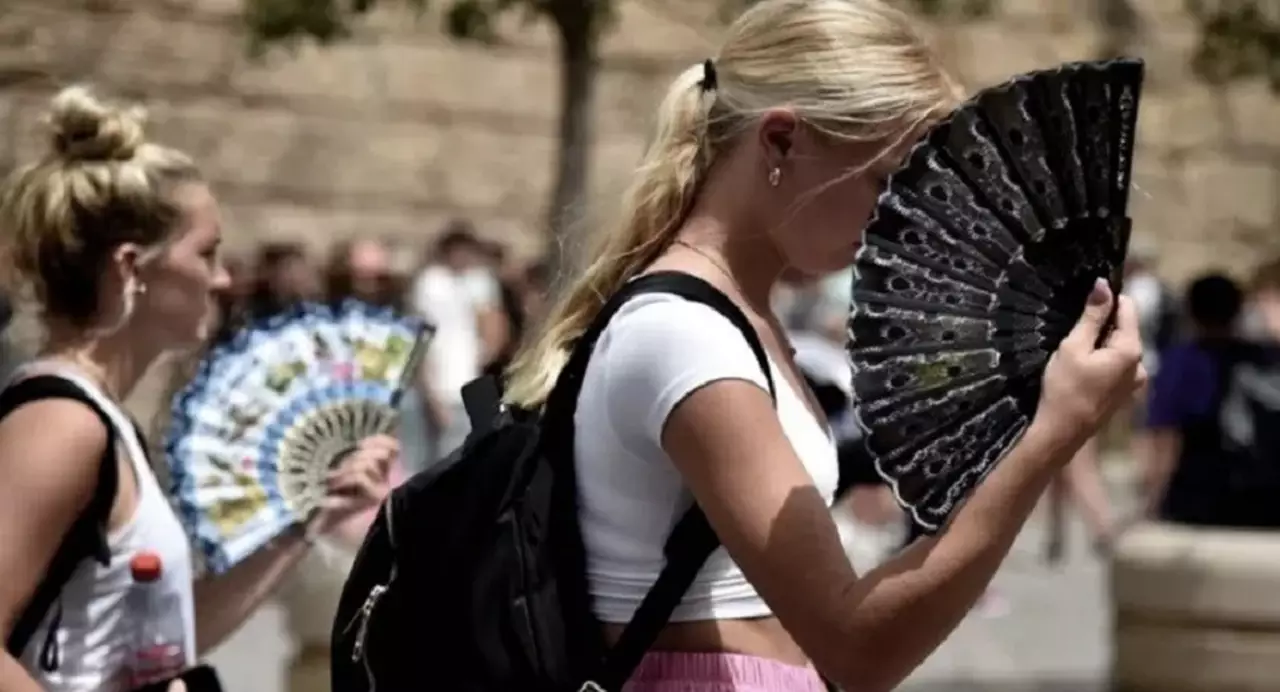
(709, 81)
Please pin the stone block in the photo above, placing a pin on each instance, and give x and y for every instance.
(1190, 117)
(155, 51)
(1233, 191)
(627, 103)
(1167, 47)
(198, 126)
(252, 144)
(1074, 40)
(671, 31)
(1035, 9)
(351, 74)
(485, 169)
(25, 129)
(1254, 116)
(1195, 609)
(984, 56)
(1157, 201)
(29, 39)
(321, 161)
(468, 78)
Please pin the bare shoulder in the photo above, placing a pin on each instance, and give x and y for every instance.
(52, 442)
(50, 451)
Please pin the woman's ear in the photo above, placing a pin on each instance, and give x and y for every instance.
(777, 131)
(125, 262)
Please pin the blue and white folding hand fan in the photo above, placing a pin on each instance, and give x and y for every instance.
(978, 261)
(271, 411)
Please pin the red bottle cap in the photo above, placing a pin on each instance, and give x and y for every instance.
(145, 566)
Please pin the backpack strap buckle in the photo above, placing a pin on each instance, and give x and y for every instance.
(590, 686)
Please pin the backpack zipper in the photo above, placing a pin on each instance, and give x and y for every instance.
(526, 612)
(362, 617)
(365, 614)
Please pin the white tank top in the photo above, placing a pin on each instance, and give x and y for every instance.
(97, 631)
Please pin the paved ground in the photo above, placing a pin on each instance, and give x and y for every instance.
(1052, 637)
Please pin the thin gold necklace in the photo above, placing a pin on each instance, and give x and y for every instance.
(708, 257)
(728, 275)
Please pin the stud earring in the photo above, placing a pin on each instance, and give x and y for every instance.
(775, 176)
(140, 289)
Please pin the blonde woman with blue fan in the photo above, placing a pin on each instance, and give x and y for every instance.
(117, 238)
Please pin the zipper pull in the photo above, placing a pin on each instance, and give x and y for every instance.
(366, 610)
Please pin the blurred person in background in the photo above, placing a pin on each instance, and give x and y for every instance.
(1158, 306)
(118, 239)
(508, 333)
(232, 304)
(359, 269)
(458, 293)
(816, 312)
(1082, 484)
(537, 289)
(1185, 476)
(1262, 310)
(283, 276)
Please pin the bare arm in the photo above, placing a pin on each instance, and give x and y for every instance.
(46, 481)
(494, 333)
(224, 602)
(866, 633)
(1163, 447)
(869, 633)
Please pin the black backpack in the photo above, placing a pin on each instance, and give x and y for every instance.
(87, 538)
(473, 579)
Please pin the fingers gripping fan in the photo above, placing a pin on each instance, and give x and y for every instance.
(978, 261)
(271, 411)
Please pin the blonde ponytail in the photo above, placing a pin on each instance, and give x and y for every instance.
(654, 206)
(854, 70)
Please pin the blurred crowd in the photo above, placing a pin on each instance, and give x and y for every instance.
(1178, 435)
(476, 296)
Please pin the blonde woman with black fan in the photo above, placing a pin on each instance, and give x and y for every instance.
(768, 156)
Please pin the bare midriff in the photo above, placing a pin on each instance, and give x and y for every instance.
(763, 637)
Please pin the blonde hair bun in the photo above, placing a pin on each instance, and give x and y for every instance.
(85, 128)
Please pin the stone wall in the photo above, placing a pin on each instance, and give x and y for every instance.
(398, 129)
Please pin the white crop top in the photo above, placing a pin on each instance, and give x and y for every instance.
(657, 350)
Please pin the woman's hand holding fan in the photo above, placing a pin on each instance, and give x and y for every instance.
(360, 482)
(1083, 383)
(286, 424)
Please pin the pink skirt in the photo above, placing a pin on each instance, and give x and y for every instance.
(667, 671)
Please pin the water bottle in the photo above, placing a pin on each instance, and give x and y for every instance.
(158, 654)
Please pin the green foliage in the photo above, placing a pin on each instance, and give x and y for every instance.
(1239, 39)
(285, 22)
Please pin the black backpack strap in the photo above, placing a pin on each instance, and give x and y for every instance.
(692, 540)
(88, 534)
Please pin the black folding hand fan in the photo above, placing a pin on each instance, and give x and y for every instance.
(978, 261)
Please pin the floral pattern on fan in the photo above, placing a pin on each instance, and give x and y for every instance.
(978, 261)
(273, 409)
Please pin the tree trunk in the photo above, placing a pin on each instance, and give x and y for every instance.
(578, 69)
